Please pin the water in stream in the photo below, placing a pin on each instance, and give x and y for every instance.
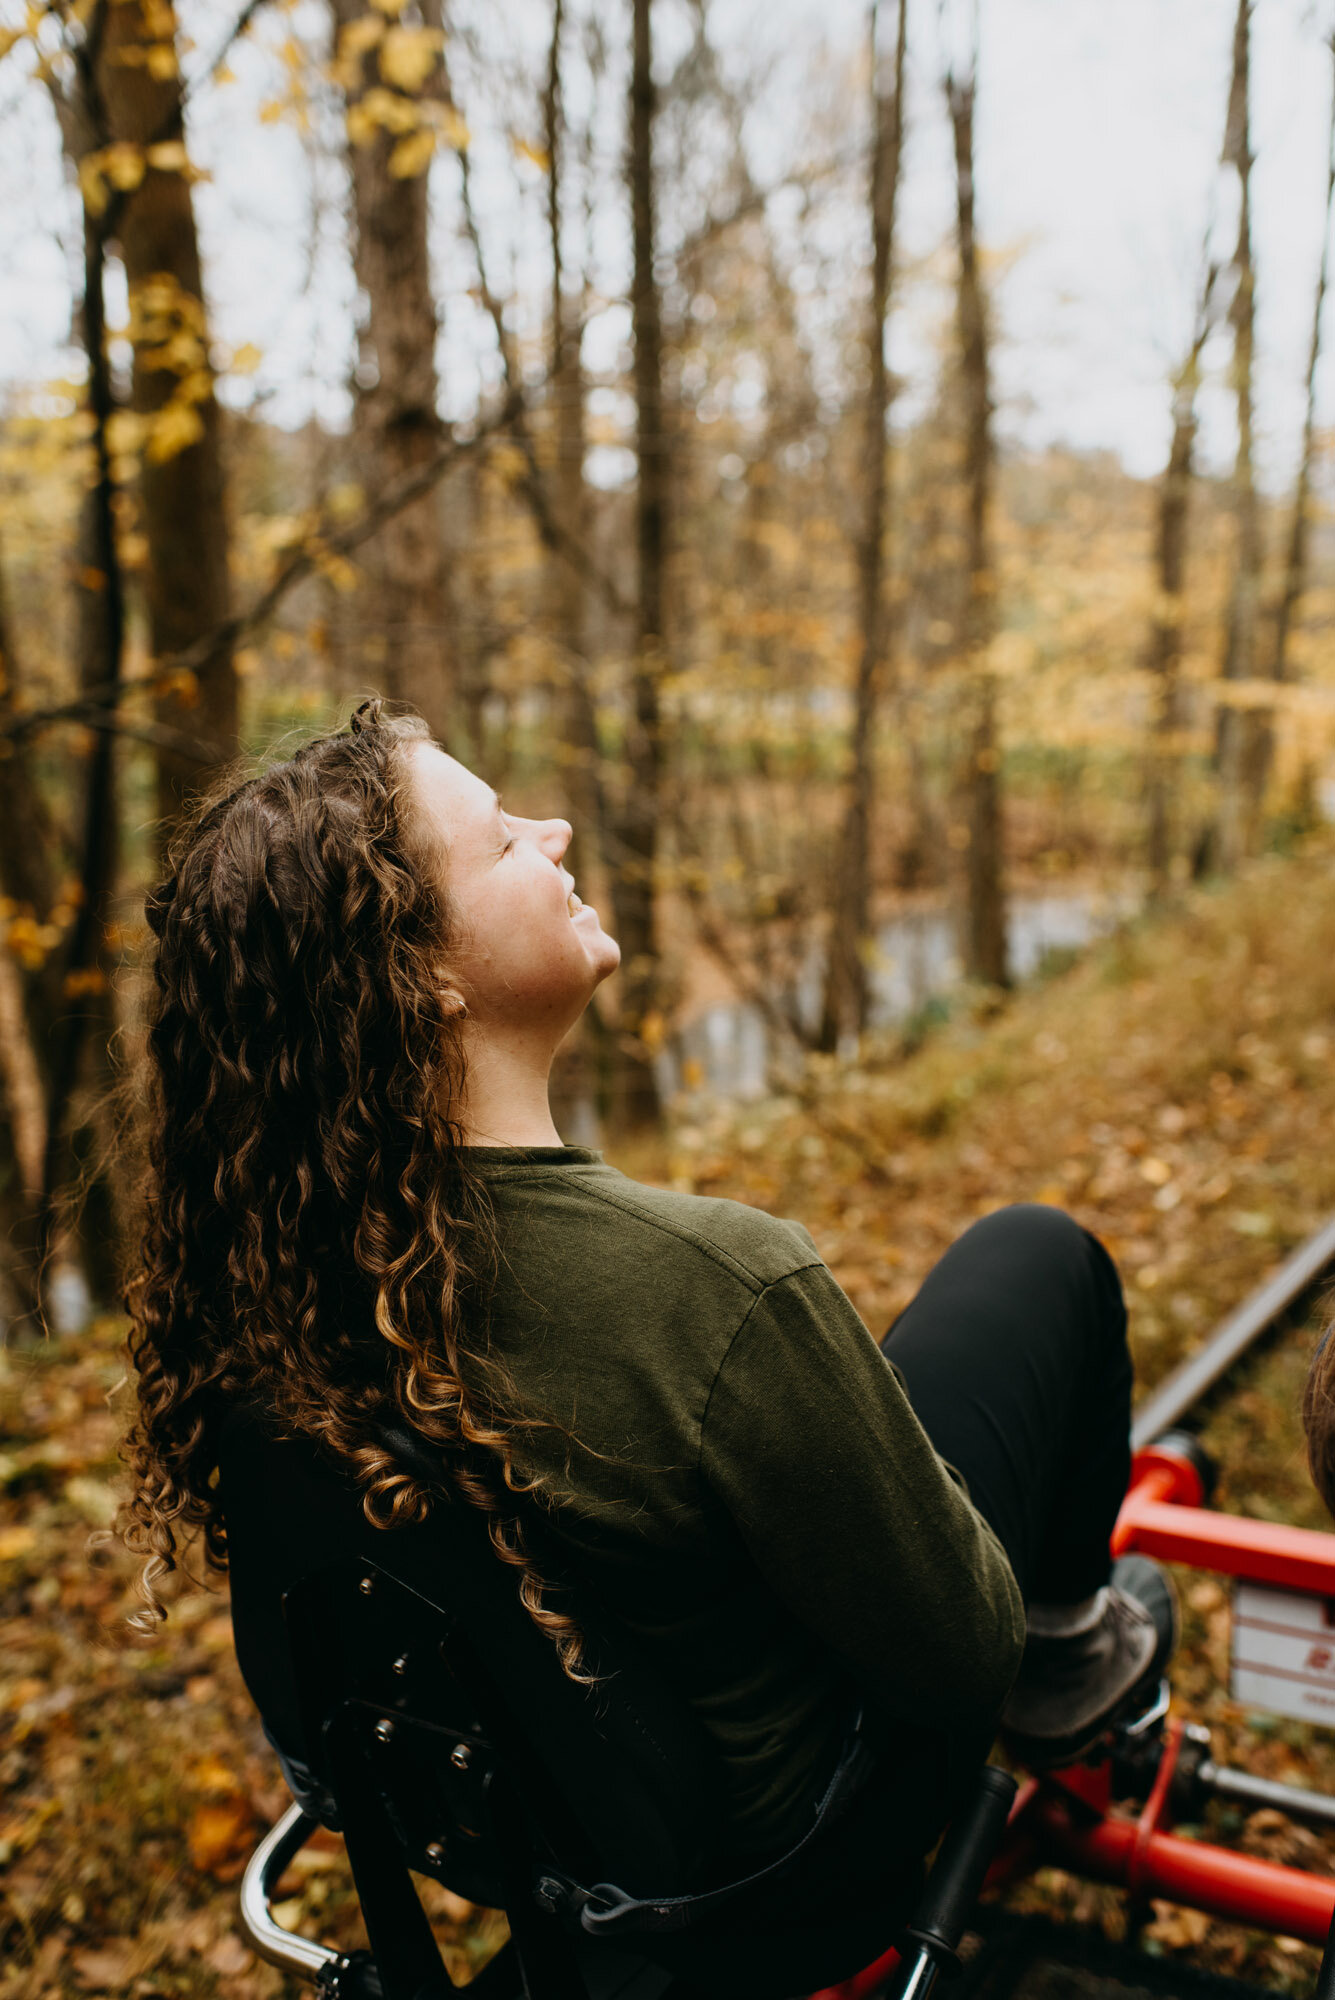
(728, 1051)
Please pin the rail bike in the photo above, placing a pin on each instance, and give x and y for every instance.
(449, 1748)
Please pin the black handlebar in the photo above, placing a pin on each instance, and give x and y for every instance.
(971, 1841)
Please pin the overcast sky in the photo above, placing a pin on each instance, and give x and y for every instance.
(1098, 140)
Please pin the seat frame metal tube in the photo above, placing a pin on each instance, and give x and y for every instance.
(287, 1949)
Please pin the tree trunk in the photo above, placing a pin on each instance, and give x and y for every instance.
(181, 487)
(393, 631)
(29, 1003)
(985, 943)
(1295, 563)
(633, 825)
(1239, 754)
(1163, 652)
(844, 1011)
(569, 600)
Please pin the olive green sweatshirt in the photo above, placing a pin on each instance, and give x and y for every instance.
(737, 1468)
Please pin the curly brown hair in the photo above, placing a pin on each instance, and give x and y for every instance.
(1319, 1417)
(313, 1239)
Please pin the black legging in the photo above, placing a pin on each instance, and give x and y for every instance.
(1015, 1358)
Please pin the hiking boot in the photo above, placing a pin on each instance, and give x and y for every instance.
(1074, 1687)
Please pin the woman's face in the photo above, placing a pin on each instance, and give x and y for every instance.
(526, 959)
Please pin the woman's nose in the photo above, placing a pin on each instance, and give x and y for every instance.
(556, 836)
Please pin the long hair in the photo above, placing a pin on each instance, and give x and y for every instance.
(313, 1240)
(1319, 1417)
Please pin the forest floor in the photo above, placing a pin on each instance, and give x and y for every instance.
(1175, 1089)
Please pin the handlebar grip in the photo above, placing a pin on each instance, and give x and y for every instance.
(957, 1875)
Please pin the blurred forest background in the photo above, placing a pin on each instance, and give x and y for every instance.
(938, 667)
(612, 478)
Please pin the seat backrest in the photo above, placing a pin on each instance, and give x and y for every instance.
(422, 1630)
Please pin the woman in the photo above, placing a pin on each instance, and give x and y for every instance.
(361, 1217)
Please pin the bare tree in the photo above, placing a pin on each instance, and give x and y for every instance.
(1239, 745)
(985, 943)
(1163, 651)
(566, 400)
(1295, 561)
(633, 818)
(181, 484)
(846, 985)
(395, 624)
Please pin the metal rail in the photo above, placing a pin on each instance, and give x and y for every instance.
(1186, 1385)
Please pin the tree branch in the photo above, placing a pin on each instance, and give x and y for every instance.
(532, 485)
(211, 646)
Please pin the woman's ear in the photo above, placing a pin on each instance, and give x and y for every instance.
(451, 998)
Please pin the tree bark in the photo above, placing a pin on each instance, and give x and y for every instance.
(566, 401)
(986, 955)
(844, 1011)
(1295, 562)
(1240, 734)
(1163, 652)
(29, 1003)
(181, 486)
(394, 627)
(633, 823)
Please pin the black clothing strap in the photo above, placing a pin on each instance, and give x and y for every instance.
(604, 1910)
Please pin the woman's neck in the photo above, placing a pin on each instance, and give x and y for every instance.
(505, 1098)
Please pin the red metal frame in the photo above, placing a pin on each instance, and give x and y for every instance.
(1065, 1819)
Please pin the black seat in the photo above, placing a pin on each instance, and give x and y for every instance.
(424, 1715)
(424, 1767)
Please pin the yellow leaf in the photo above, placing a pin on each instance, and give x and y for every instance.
(125, 428)
(408, 56)
(412, 156)
(91, 184)
(162, 61)
(123, 166)
(210, 1774)
(344, 501)
(271, 112)
(537, 154)
(219, 1838)
(385, 107)
(15, 1542)
(181, 683)
(174, 429)
(84, 979)
(362, 127)
(245, 359)
(359, 36)
(224, 74)
(169, 157)
(340, 572)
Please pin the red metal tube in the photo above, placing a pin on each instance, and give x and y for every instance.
(1263, 1551)
(1236, 1887)
(864, 1982)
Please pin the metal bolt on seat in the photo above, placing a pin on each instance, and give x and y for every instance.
(400, 1666)
(435, 1853)
(367, 1586)
(547, 1894)
(384, 1730)
(461, 1756)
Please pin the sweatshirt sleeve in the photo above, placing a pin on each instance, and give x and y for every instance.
(810, 1443)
